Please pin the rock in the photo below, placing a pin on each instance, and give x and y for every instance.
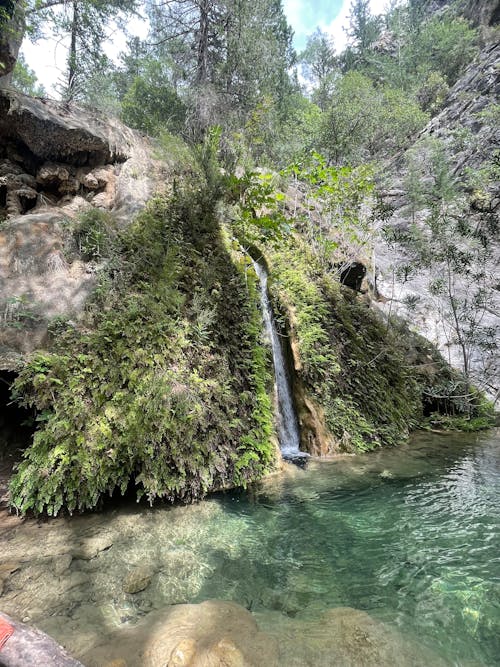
(91, 547)
(83, 156)
(407, 295)
(28, 646)
(58, 132)
(62, 564)
(138, 579)
(50, 173)
(210, 634)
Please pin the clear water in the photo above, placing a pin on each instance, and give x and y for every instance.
(411, 536)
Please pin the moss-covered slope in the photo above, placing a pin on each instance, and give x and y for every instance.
(347, 359)
(165, 386)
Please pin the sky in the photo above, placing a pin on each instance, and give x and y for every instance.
(47, 57)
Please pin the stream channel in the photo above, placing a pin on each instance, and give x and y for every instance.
(411, 536)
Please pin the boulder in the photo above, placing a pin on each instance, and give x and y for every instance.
(138, 579)
(58, 132)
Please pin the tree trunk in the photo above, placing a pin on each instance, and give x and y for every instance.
(202, 46)
(72, 69)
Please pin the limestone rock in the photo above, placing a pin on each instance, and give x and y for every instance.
(57, 161)
(28, 646)
(52, 173)
(62, 563)
(92, 546)
(57, 132)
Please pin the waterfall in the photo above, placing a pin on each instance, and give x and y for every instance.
(288, 427)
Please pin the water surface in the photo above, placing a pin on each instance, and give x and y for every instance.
(409, 535)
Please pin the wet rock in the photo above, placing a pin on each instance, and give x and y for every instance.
(62, 563)
(138, 579)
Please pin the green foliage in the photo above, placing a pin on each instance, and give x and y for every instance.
(363, 121)
(444, 44)
(351, 364)
(164, 386)
(432, 92)
(24, 79)
(332, 217)
(95, 235)
(258, 215)
(151, 103)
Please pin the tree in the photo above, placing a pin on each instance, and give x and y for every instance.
(363, 30)
(443, 44)
(232, 54)
(85, 23)
(25, 80)
(151, 103)
(11, 35)
(319, 65)
(364, 121)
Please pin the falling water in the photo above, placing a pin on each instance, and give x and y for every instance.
(288, 428)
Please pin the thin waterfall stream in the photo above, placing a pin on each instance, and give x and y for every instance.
(288, 426)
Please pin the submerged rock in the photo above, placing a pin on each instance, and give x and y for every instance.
(210, 634)
(138, 579)
(223, 634)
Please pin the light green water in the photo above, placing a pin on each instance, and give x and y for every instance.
(411, 536)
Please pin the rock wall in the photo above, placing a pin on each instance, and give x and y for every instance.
(56, 162)
(465, 114)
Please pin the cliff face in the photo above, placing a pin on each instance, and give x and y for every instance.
(56, 163)
(479, 12)
(468, 132)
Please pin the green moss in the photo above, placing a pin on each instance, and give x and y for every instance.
(166, 383)
(352, 364)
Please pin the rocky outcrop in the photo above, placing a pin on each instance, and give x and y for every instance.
(48, 130)
(56, 162)
(479, 12)
(470, 135)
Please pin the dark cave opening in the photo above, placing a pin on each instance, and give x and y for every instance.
(17, 426)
